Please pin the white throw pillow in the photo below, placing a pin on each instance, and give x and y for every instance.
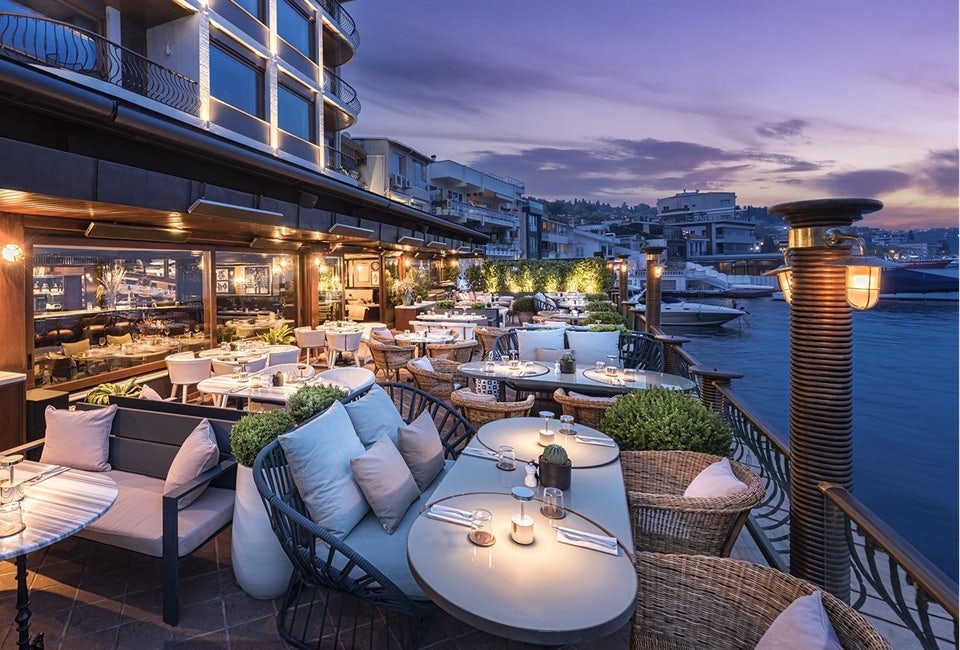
(148, 393)
(469, 395)
(715, 480)
(423, 363)
(422, 450)
(78, 439)
(374, 415)
(318, 453)
(804, 625)
(386, 482)
(198, 453)
(529, 340)
(594, 346)
(384, 332)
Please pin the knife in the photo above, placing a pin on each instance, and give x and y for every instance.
(43, 476)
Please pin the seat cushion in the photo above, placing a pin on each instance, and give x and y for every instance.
(374, 415)
(529, 340)
(135, 520)
(715, 480)
(389, 552)
(594, 346)
(78, 439)
(803, 625)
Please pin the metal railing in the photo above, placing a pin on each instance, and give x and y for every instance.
(341, 162)
(343, 19)
(334, 86)
(895, 584)
(60, 45)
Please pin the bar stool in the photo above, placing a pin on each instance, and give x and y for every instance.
(339, 343)
(310, 339)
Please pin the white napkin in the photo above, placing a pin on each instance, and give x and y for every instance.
(481, 453)
(588, 540)
(448, 516)
(590, 440)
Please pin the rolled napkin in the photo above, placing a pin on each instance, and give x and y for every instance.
(481, 453)
(594, 440)
(450, 515)
(592, 541)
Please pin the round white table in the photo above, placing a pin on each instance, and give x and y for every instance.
(523, 434)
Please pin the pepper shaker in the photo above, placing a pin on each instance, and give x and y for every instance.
(530, 480)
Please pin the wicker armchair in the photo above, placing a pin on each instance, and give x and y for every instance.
(324, 565)
(664, 521)
(696, 602)
(486, 336)
(479, 413)
(460, 351)
(587, 411)
(440, 381)
(389, 358)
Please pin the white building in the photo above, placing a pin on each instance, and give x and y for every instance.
(705, 223)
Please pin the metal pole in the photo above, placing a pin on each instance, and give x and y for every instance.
(821, 404)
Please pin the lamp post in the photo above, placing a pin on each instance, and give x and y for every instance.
(821, 373)
(654, 273)
(622, 263)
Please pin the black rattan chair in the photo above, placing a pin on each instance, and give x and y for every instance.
(641, 350)
(336, 597)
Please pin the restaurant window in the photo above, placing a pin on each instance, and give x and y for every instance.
(237, 77)
(296, 109)
(255, 292)
(329, 288)
(295, 25)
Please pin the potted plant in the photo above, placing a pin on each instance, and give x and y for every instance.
(226, 333)
(568, 363)
(101, 394)
(445, 304)
(659, 419)
(280, 335)
(260, 565)
(311, 400)
(555, 467)
(524, 308)
(478, 304)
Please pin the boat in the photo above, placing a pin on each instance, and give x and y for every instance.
(680, 313)
(906, 283)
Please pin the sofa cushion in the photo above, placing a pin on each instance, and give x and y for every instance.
(374, 415)
(529, 340)
(423, 363)
(78, 439)
(198, 453)
(389, 552)
(715, 480)
(148, 393)
(318, 454)
(803, 625)
(420, 446)
(135, 520)
(385, 481)
(594, 346)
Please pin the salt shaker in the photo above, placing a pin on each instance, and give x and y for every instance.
(530, 480)
(556, 367)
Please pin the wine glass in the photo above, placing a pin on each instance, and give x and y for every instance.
(196, 329)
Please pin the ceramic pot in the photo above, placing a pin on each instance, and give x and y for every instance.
(568, 367)
(259, 564)
(557, 476)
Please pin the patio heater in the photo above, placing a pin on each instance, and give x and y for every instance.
(825, 283)
(654, 273)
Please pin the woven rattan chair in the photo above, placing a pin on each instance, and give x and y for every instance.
(335, 594)
(691, 602)
(641, 350)
(439, 382)
(460, 351)
(479, 413)
(389, 358)
(587, 411)
(486, 336)
(664, 521)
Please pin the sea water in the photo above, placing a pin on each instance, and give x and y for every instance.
(905, 405)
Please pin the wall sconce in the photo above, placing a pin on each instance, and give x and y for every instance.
(784, 275)
(12, 252)
(657, 270)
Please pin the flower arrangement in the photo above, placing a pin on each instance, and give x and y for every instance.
(110, 284)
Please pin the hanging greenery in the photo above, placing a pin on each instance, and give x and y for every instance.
(589, 275)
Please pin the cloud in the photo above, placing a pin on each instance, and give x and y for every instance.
(783, 130)
(939, 173)
(866, 182)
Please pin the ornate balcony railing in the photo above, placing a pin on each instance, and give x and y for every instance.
(341, 162)
(896, 586)
(59, 45)
(334, 86)
(343, 19)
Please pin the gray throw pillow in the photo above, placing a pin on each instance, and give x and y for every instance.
(374, 415)
(78, 439)
(420, 446)
(198, 453)
(385, 481)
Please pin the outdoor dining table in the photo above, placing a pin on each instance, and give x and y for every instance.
(547, 592)
(422, 339)
(258, 388)
(536, 376)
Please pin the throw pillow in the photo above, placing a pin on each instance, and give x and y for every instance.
(420, 446)
(715, 480)
(468, 394)
(594, 346)
(804, 625)
(423, 363)
(529, 340)
(148, 393)
(550, 354)
(78, 439)
(605, 401)
(384, 332)
(374, 415)
(198, 453)
(385, 481)
(318, 454)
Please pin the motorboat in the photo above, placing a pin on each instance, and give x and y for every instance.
(680, 313)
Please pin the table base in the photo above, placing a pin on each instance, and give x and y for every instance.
(23, 610)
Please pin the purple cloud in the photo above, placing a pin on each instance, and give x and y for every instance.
(782, 130)
(939, 173)
(866, 182)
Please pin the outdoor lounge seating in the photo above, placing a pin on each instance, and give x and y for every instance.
(366, 567)
(664, 521)
(690, 602)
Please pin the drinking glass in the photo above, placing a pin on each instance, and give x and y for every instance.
(481, 528)
(552, 507)
(11, 518)
(506, 458)
(612, 367)
(629, 374)
(599, 366)
(566, 425)
(489, 366)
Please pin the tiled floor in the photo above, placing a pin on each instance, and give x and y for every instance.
(86, 596)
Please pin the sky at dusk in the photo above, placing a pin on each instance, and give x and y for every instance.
(628, 101)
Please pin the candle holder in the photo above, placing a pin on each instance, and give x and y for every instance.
(521, 526)
(546, 436)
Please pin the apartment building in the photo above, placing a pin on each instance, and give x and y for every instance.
(705, 223)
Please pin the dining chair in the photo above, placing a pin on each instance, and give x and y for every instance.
(585, 409)
(442, 380)
(479, 410)
(389, 357)
(338, 343)
(461, 351)
(309, 339)
(486, 336)
(184, 373)
(278, 354)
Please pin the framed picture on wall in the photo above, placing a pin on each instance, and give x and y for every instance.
(362, 273)
(375, 278)
(223, 286)
(257, 280)
(223, 275)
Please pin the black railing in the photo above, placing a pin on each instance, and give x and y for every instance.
(341, 162)
(343, 19)
(334, 86)
(895, 584)
(60, 45)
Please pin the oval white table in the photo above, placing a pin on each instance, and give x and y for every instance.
(523, 435)
(53, 509)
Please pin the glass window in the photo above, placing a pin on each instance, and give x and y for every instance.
(296, 112)
(236, 79)
(295, 26)
(253, 7)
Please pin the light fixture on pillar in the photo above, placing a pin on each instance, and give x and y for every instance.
(11, 252)
(784, 275)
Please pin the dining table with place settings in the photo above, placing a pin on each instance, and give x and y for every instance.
(421, 339)
(574, 583)
(259, 387)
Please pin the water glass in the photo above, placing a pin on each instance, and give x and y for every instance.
(11, 518)
(599, 366)
(489, 366)
(481, 528)
(566, 425)
(552, 507)
(612, 368)
(506, 458)
(629, 374)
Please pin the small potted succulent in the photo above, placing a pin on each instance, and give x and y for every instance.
(555, 467)
(568, 363)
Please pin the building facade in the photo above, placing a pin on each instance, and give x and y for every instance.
(698, 223)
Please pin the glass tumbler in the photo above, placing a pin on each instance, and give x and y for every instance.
(552, 507)
(506, 458)
(566, 425)
(481, 528)
(11, 518)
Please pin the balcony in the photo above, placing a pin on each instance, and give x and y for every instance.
(340, 40)
(507, 251)
(343, 163)
(340, 101)
(462, 212)
(58, 45)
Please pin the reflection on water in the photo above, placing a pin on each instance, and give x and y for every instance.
(905, 383)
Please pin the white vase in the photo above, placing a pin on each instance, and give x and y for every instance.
(259, 564)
